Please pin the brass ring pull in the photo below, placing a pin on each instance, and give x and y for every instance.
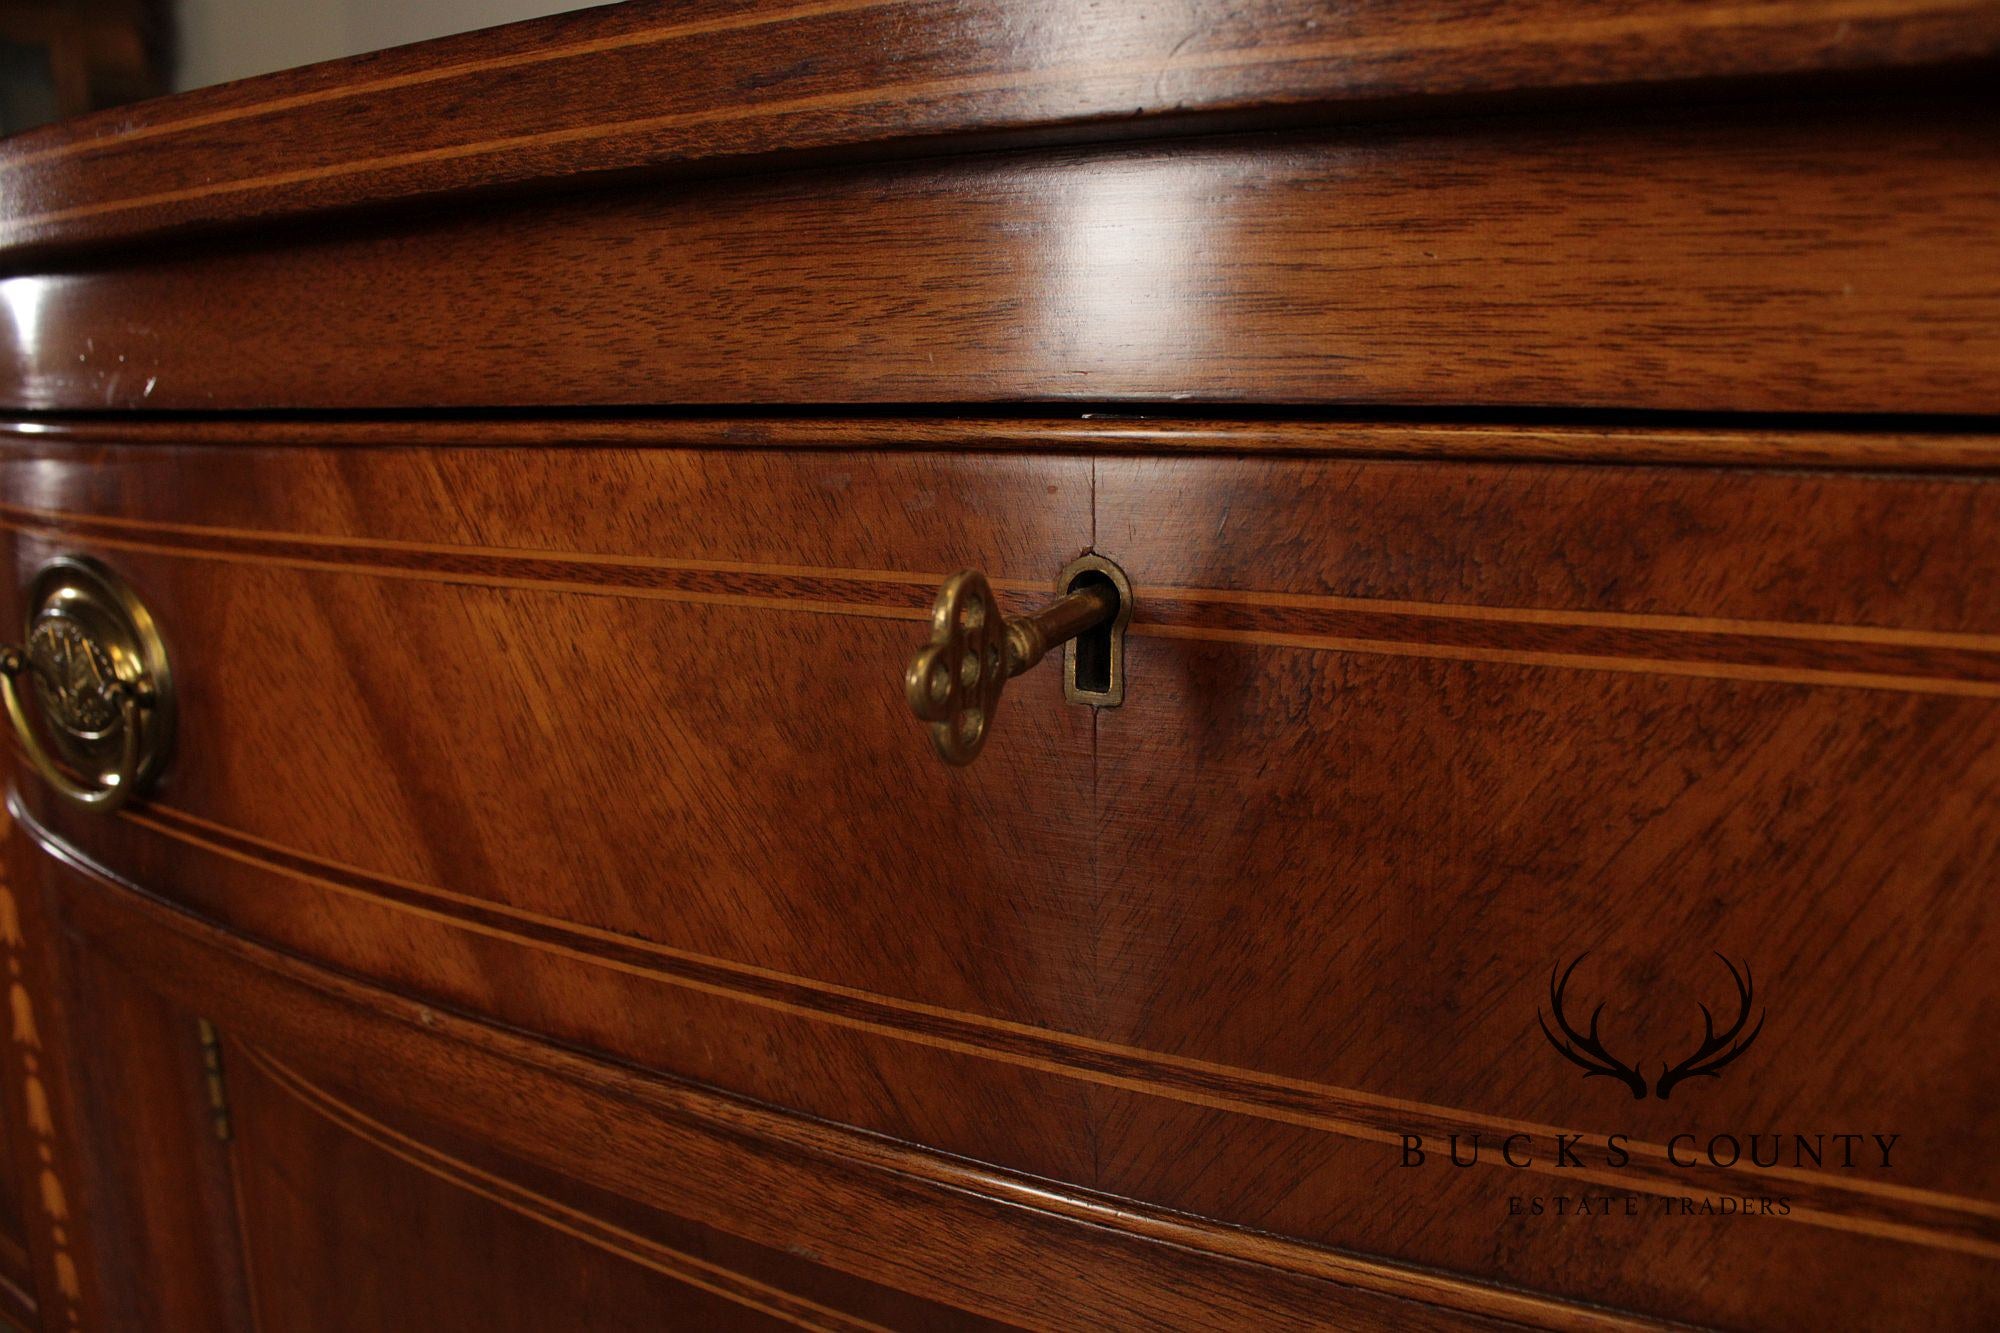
(115, 787)
(99, 673)
(954, 682)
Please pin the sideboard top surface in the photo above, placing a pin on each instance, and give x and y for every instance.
(715, 84)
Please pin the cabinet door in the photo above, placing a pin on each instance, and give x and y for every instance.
(128, 1205)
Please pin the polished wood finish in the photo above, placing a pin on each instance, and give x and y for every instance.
(975, 1236)
(1636, 262)
(1802, 654)
(550, 1267)
(725, 83)
(1553, 453)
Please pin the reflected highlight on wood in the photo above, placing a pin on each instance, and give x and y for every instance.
(1633, 260)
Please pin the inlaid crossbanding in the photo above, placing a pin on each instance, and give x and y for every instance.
(1911, 660)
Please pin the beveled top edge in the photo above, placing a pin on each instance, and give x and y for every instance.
(655, 86)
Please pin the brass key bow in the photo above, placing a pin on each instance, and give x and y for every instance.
(954, 682)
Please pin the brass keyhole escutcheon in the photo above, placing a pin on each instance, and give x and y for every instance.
(100, 681)
(955, 681)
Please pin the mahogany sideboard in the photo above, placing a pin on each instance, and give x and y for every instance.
(1504, 832)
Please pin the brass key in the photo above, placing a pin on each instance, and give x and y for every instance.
(954, 682)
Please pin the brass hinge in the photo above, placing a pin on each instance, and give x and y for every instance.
(211, 1064)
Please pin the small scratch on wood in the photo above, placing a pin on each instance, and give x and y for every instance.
(1194, 31)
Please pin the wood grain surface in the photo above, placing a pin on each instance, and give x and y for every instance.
(668, 1154)
(1842, 262)
(549, 1266)
(159, 1197)
(1552, 449)
(723, 83)
(1521, 712)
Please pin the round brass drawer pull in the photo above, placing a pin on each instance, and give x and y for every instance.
(100, 677)
(954, 681)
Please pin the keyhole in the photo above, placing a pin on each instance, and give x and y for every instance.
(1093, 647)
(1094, 661)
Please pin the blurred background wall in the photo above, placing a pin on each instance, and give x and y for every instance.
(65, 57)
(221, 40)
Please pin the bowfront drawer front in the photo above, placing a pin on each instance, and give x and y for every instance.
(656, 695)
(1436, 787)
